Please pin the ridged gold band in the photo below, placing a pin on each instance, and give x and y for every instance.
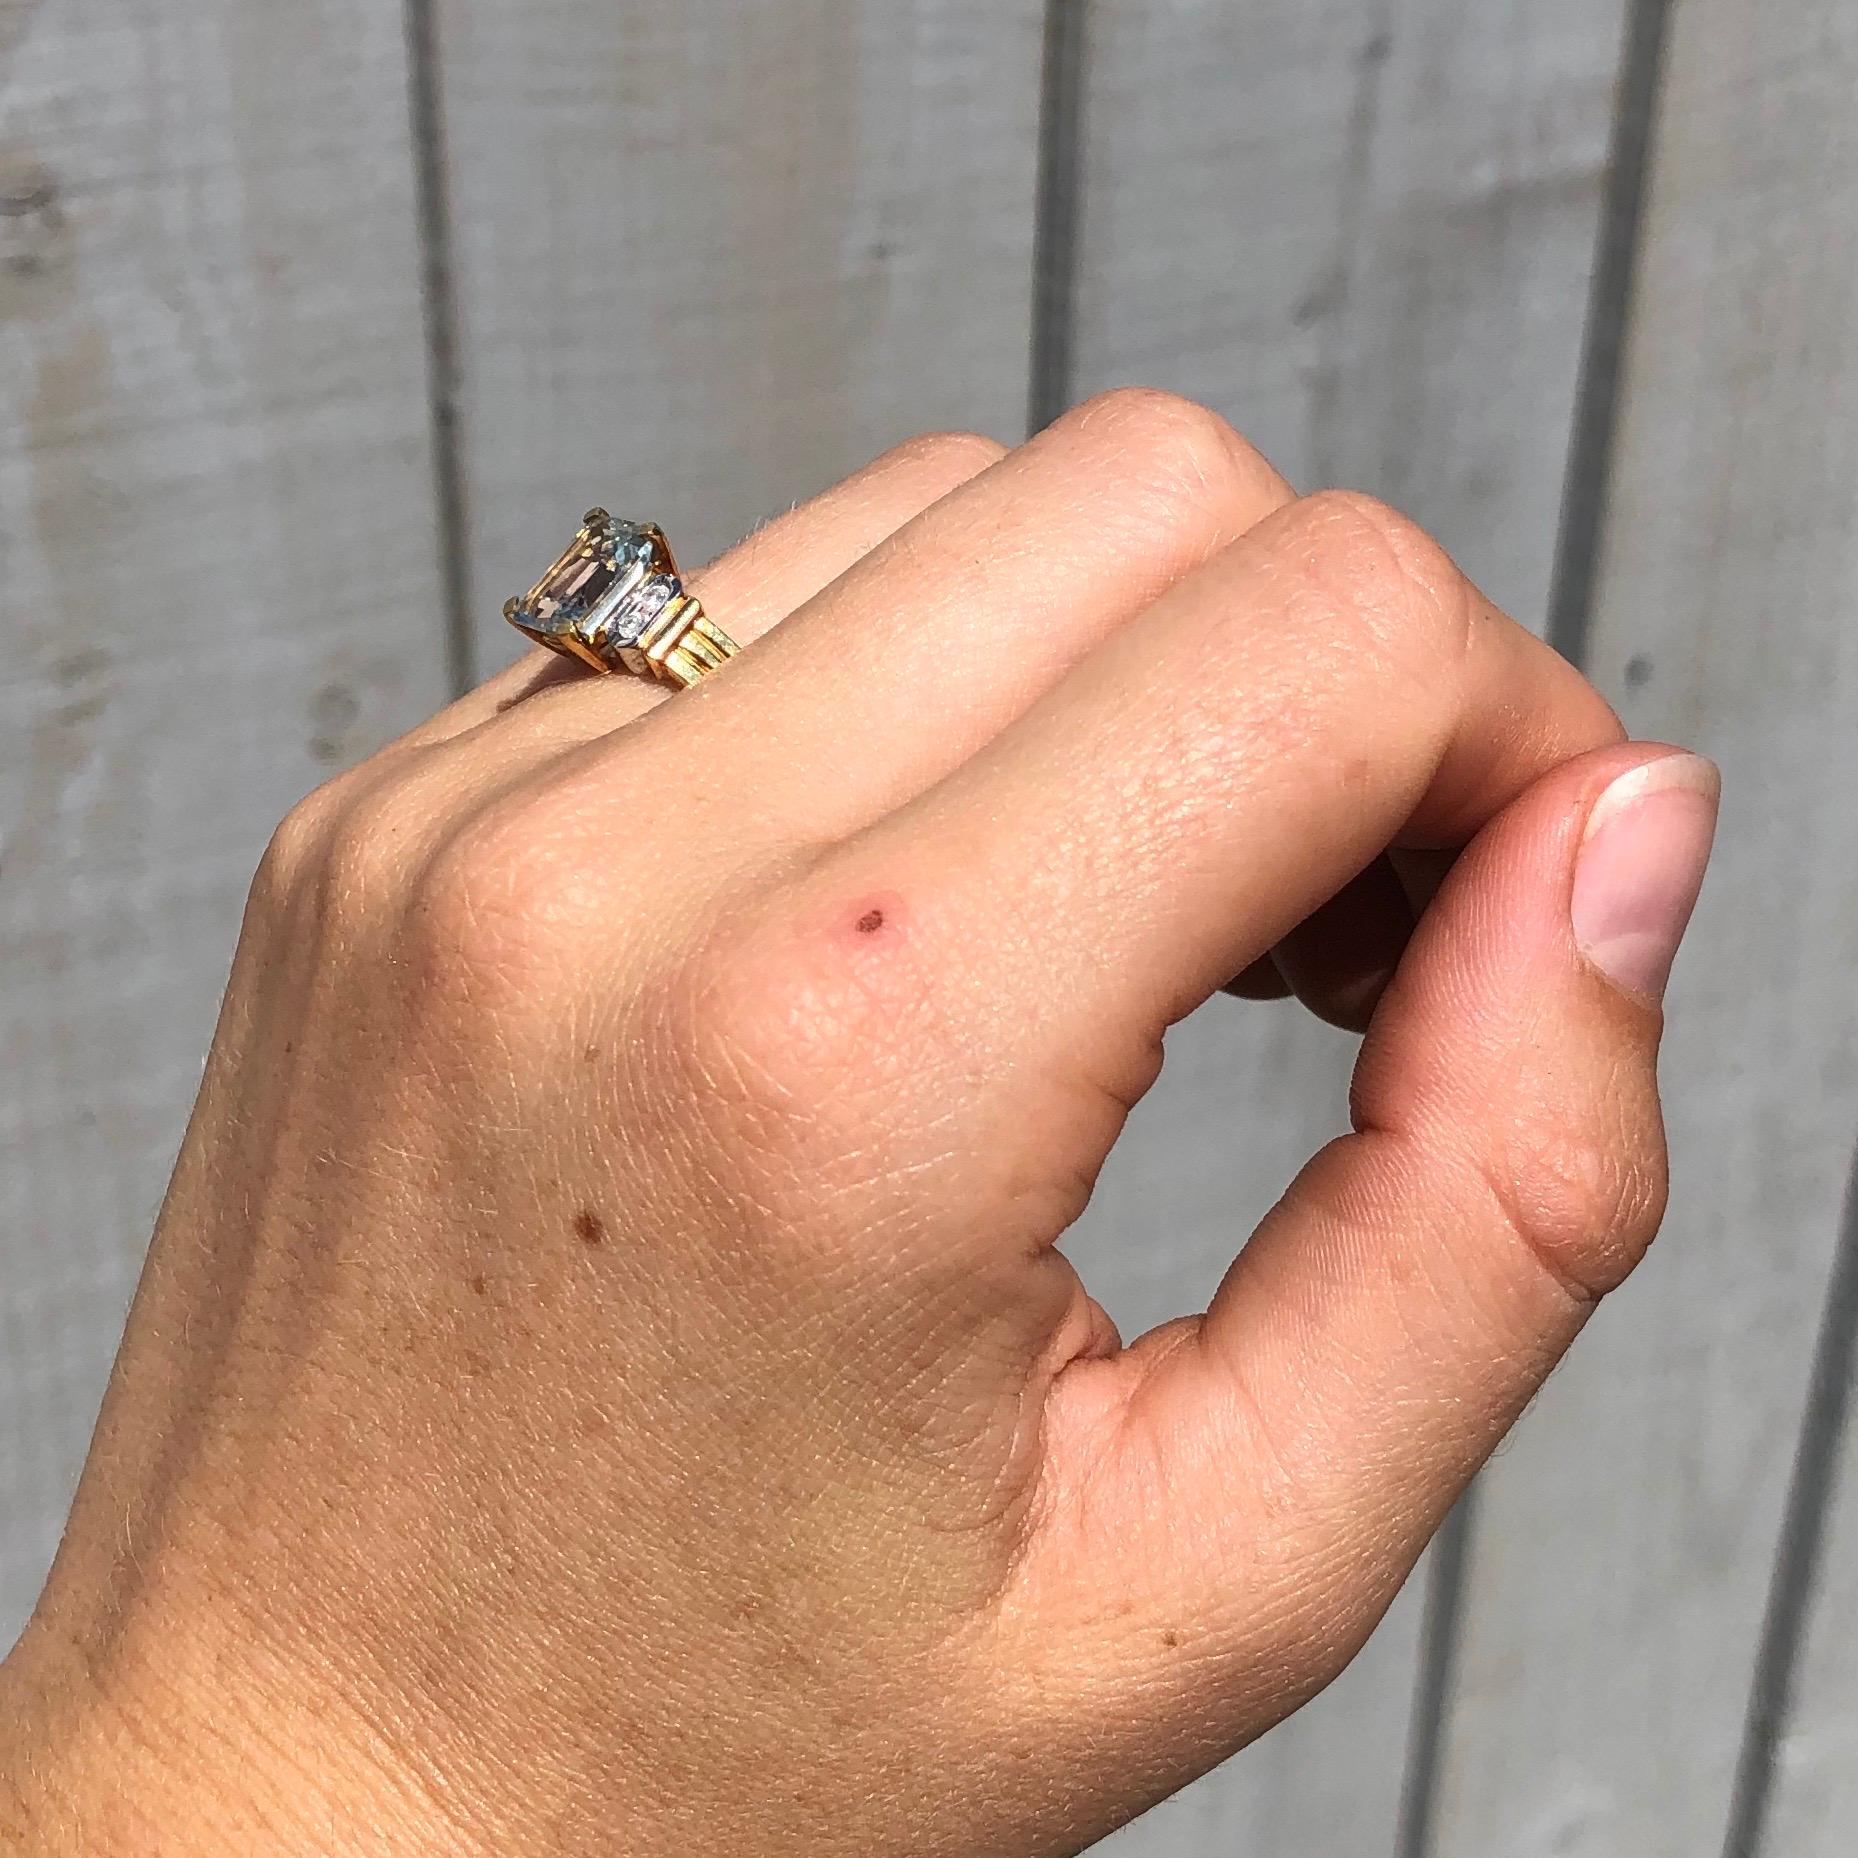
(685, 644)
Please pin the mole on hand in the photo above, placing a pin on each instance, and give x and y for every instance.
(588, 1229)
(870, 922)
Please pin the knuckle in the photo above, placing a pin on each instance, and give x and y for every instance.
(1584, 1201)
(1169, 440)
(1388, 572)
(772, 1031)
(297, 846)
(790, 1022)
(369, 847)
(331, 847)
(497, 912)
(953, 455)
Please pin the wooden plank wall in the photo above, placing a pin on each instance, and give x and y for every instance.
(273, 279)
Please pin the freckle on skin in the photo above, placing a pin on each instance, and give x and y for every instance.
(588, 1229)
(1170, 1638)
(479, 1286)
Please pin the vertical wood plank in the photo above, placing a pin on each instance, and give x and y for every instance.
(1798, 1785)
(218, 583)
(1364, 231)
(711, 257)
(1621, 1570)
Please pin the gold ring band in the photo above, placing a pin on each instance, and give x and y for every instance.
(696, 648)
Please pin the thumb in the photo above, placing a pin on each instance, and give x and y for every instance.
(1271, 1472)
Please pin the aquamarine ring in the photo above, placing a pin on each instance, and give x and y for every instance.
(616, 601)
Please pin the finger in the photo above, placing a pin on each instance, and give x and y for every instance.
(1261, 981)
(748, 591)
(1345, 952)
(1400, 1306)
(937, 640)
(1210, 776)
(1339, 959)
(1421, 875)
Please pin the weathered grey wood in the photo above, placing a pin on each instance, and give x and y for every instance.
(1365, 232)
(711, 257)
(1809, 1805)
(218, 582)
(1622, 1567)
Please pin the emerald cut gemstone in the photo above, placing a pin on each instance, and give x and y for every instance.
(613, 581)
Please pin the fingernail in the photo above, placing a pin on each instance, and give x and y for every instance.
(1640, 868)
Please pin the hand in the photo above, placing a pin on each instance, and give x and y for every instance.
(604, 1380)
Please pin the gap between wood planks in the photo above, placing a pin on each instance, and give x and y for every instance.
(1800, 1555)
(431, 179)
(1060, 185)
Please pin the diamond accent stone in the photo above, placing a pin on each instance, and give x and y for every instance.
(630, 620)
(614, 579)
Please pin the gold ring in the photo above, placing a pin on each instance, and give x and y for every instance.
(615, 601)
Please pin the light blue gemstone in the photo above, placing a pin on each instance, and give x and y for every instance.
(607, 589)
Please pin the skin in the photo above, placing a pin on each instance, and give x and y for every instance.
(604, 1380)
